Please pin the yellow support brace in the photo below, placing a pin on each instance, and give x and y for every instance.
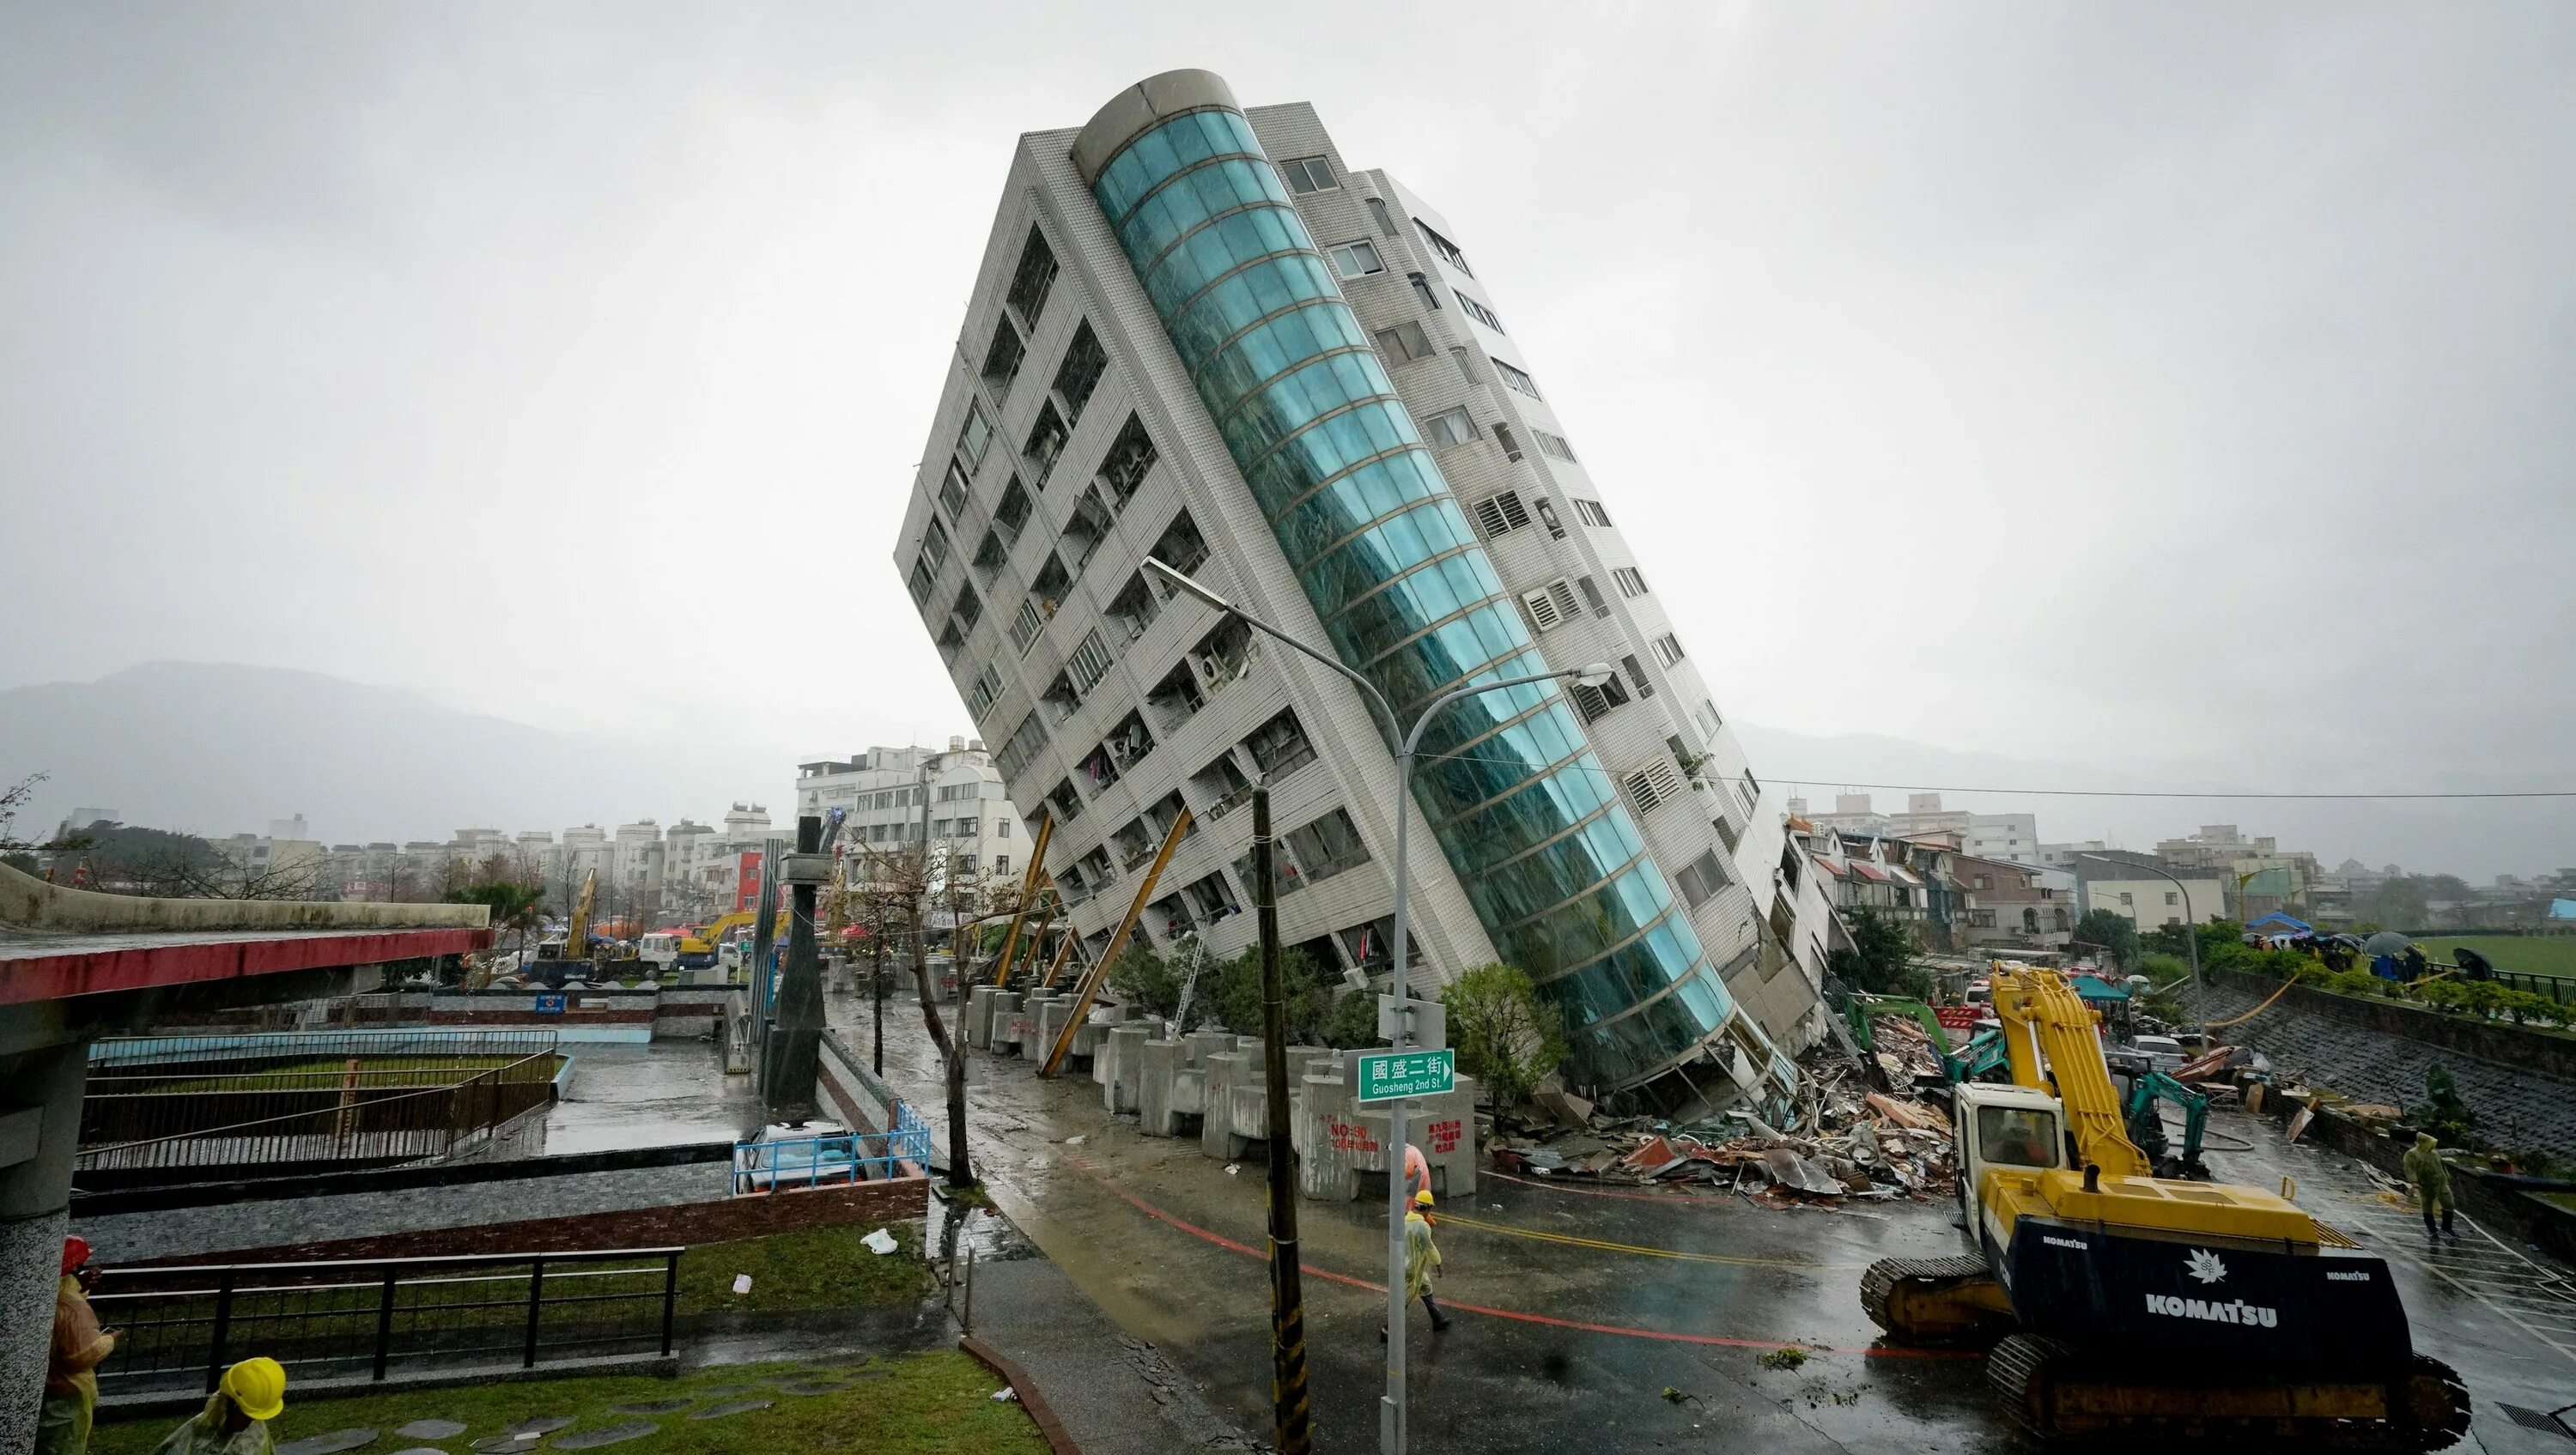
(1100, 972)
(1028, 887)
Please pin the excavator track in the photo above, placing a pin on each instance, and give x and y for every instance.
(1936, 1300)
(2066, 1399)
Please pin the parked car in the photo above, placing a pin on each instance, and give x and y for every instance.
(2163, 1053)
(796, 1154)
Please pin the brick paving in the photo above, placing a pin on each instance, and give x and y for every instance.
(2515, 1105)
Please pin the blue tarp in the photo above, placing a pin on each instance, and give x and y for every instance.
(2281, 921)
(2095, 988)
(2562, 909)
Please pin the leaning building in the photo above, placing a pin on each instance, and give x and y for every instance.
(1198, 335)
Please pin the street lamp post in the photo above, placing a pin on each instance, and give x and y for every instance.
(1391, 1425)
(2190, 931)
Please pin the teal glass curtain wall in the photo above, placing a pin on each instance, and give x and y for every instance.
(1526, 814)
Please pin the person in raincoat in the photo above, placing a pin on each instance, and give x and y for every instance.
(2432, 1179)
(1421, 1260)
(235, 1419)
(80, 1346)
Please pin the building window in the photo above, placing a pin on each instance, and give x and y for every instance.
(1002, 360)
(1326, 847)
(1031, 280)
(976, 435)
(1592, 597)
(1551, 606)
(1516, 378)
(2170, 898)
(1422, 293)
(1027, 741)
(1089, 663)
(1501, 513)
(1590, 512)
(1596, 703)
(1503, 437)
(1726, 835)
(1357, 259)
(2124, 897)
(1084, 362)
(1984, 882)
(1002, 828)
(1447, 250)
(1308, 174)
(1554, 445)
(1449, 427)
(1385, 220)
(1653, 786)
(1702, 878)
(1013, 513)
(934, 544)
(1404, 343)
(1709, 722)
(1632, 583)
(1001, 863)
(952, 487)
(1046, 442)
(988, 686)
(1668, 649)
(1027, 625)
(1637, 676)
(1130, 456)
(1479, 312)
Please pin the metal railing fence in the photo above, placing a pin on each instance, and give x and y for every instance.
(264, 1119)
(827, 1160)
(332, 1319)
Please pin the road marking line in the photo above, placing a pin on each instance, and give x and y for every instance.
(1443, 1219)
(1668, 1336)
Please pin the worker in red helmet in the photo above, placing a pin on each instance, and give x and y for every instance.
(80, 1346)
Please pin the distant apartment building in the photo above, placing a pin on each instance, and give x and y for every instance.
(2013, 836)
(2067, 855)
(953, 800)
(2017, 905)
(1199, 335)
(2124, 882)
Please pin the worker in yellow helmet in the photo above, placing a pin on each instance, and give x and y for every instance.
(235, 1419)
(1421, 1259)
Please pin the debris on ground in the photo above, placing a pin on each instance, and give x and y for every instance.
(1677, 1396)
(1838, 1141)
(1787, 1357)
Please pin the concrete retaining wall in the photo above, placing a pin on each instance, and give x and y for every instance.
(2548, 1053)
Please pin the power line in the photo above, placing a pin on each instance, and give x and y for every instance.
(2533, 793)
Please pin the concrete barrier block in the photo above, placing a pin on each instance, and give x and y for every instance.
(1008, 1023)
(1118, 1066)
(979, 1018)
(1158, 1063)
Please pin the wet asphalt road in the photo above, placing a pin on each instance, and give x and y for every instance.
(1576, 1309)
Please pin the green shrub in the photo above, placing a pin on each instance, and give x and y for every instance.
(1505, 1036)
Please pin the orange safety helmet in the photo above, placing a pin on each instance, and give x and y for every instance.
(75, 1254)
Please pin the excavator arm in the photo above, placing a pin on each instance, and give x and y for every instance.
(2051, 1045)
(577, 932)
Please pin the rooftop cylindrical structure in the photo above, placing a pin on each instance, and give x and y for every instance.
(1527, 816)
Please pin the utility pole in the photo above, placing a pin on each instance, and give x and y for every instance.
(1288, 1407)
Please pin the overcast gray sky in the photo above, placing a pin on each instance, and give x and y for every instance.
(2186, 383)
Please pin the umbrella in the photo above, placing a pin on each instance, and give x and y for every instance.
(2386, 942)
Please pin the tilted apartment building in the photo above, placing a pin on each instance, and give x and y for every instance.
(1198, 335)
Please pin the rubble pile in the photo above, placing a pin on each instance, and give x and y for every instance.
(1841, 1140)
(1905, 1052)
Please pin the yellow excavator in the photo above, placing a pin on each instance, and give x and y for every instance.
(2132, 1307)
(569, 957)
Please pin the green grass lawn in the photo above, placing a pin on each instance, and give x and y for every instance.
(2526, 954)
(816, 1269)
(326, 1072)
(939, 1401)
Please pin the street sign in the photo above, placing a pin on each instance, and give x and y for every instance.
(1394, 1075)
(550, 1004)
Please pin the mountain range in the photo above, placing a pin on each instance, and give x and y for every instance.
(216, 749)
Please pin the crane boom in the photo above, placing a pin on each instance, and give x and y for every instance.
(2044, 1018)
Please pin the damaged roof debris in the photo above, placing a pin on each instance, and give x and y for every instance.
(1843, 1140)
